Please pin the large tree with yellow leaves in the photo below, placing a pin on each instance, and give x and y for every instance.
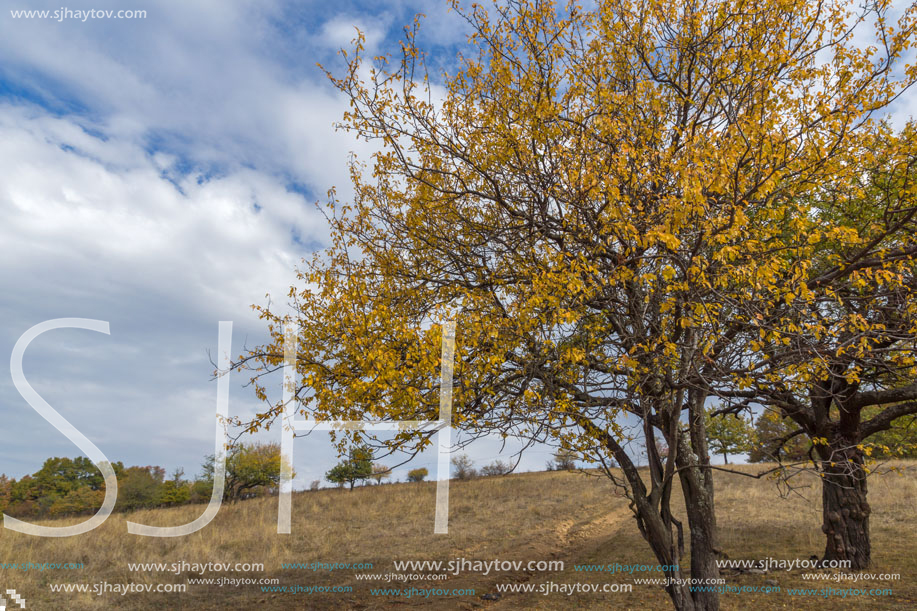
(608, 202)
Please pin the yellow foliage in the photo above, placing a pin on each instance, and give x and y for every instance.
(619, 207)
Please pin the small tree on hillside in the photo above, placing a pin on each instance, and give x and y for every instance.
(253, 467)
(140, 487)
(498, 467)
(564, 460)
(729, 434)
(463, 468)
(417, 475)
(249, 467)
(380, 472)
(175, 491)
(357, 467)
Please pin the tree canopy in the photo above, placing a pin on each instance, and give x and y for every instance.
(776, 438)
(733, 434)
(248, 467)
(356, 468)
(417, 475)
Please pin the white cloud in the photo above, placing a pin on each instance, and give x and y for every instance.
(203, 79)
(93, 234)
(340, 32)
(65, 200)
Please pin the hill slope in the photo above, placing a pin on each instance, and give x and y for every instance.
(574, 518)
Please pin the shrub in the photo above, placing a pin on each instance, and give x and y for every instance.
(496, 468)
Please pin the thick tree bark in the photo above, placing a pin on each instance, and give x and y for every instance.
(704, 552)
(846, 513)
(697, 488)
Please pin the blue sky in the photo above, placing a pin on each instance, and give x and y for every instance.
(160, 174)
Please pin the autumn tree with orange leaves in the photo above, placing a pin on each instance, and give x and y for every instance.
(624, 209)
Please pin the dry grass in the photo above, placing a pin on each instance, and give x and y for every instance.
(537, 516)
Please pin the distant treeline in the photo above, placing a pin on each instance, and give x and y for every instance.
(70, 486)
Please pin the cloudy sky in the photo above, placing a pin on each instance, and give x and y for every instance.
(161, 174)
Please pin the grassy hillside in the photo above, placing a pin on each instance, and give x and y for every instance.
(573, 517)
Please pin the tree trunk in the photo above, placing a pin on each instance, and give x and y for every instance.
(659, 537)
(657, 525)
(846, 512)
(697, 489)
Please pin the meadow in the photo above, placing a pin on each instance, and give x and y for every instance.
(574, 517)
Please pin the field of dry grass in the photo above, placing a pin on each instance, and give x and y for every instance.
(572, 517)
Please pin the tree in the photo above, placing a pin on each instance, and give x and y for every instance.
(832, 341)
(729, 434)
(22, 502)
(61, 486)
(79, 500)
(176, 491)
(599, 201)
(140, 487)
(249, 468)
(564, 460)
(417, 475)
(777, 439)
(357, 467)
(58, 476)
(463, 467)
(380, 472)
(201, 489)
(252, 467)
(6, 490)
